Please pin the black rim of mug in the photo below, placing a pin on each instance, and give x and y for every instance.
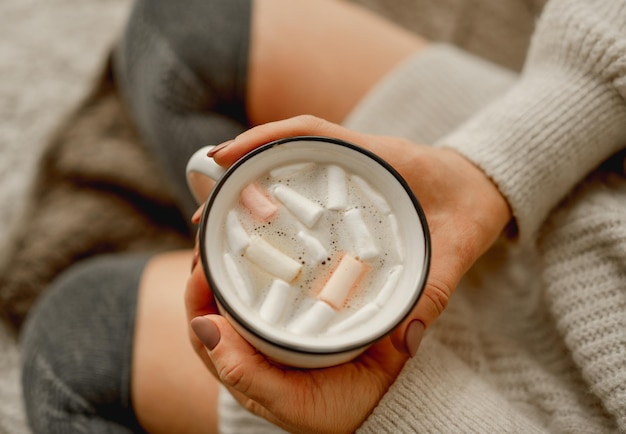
(251, 327)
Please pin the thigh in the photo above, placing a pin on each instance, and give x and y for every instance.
(318, 57)
(172, 390)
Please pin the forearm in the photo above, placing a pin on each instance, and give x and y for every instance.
(563, 117)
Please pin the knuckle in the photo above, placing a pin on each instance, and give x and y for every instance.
(235, 376)
(252, 406)
(438, 293)
(313, 122)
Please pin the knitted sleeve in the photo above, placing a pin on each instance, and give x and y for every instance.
(565, 115)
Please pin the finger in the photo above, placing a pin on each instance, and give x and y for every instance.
(444, 275)
(210, 336)
(238, 364)
(199, 301)
(198, 295)
(195, 218)
(296, 126)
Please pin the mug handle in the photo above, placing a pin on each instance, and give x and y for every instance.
(202, 174)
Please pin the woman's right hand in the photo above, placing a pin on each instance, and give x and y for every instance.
(465, 211)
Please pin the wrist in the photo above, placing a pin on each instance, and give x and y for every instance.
(458, 196)
(488, 206)
(495, 201)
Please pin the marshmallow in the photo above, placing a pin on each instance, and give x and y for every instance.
(313, 246)
(237, 236)
(343, 279)
(272, 260)
(276, 301)
(390, 285)
(393, 223)
(240, 280)
(363, 241)
(364, 314)
(304, 209)
(375, 197)
(291, 169)
(256, 199)
(337, 188)
(313, 320)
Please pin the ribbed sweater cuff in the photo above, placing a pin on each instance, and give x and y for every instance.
(430, 94)
(541, 138)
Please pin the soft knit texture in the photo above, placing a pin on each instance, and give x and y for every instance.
(534, 339)
(561, 118)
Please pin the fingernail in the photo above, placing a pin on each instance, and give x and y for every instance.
(195, 259)
(195, 218)
(413, 337)
(218, 148)
(206, 331)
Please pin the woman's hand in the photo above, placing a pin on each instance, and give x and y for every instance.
(465, 213)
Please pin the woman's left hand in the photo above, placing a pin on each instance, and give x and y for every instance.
(335, 399)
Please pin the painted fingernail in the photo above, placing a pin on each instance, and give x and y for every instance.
(413, 337)
(218, 148)
(206, 331)
(195, 218)
(195, 259)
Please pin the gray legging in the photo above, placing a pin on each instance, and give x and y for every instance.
(181, 68)
(77, 349)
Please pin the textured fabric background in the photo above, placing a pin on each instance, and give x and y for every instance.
(49, 53)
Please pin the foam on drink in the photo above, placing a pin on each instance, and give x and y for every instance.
(305, 243)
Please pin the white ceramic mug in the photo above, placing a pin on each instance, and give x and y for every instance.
(314, 248)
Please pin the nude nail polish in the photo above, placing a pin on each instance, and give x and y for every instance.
(195, 260)
(195, 218)
(413, 337)
(218, 148)
(206, 331)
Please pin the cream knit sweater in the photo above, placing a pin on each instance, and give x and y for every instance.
(534, 339)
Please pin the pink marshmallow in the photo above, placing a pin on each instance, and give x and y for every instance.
(257, 200)
(341, 282)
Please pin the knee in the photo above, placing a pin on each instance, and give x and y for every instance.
(69, 369)
(184, 55)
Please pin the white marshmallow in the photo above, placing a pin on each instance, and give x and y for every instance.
(272, 260)
(374, 196)
(291, 169)
(364, 243)
(276, 300)
(304, 209)
(337, 188)
(390, 285)
(341, 282)
(314, 320)
(364, 314)
(393, 223)
(238, 238)
(313, 246)
(240, 280)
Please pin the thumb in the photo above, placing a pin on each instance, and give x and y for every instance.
(237, 364)
(434, 299)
